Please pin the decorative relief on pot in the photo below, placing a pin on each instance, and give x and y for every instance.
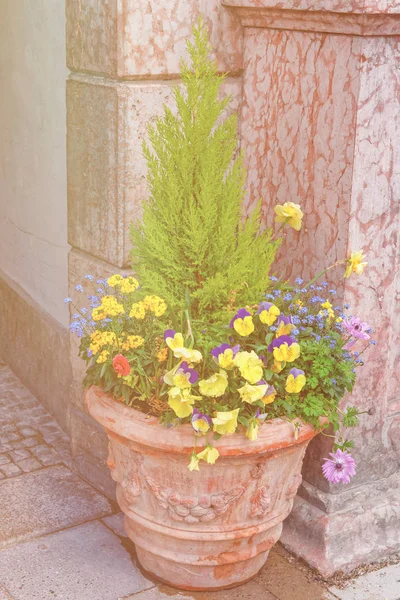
(192, 509)
(261, 502)
(293, 486)
(125, 465)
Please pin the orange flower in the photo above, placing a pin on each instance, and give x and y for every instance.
(121, 365)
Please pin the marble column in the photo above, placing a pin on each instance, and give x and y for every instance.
(320, 126)
(124, 58)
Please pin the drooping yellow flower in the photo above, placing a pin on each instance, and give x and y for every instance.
(252, 431)
(225, 423)
(155, 304)
(138, 311)
(355, 264)
(215, 386)
(209, 454)
(181, 402)
(252, 393)
(286, 352)
(194, 462)
(268, 313)
(250, 366)
(190, 355)
(295, 381)
(289, 213)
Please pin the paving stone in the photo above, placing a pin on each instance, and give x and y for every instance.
(45, 501)
(10, 470)
(5, 448)
(46, 455)
(284, 580)
(4, 459)
(249, 591)
(377, 585)
(9, 436)
(116, 523)
(20, 454)
(4, 595)
(29, 464)
(84, 563)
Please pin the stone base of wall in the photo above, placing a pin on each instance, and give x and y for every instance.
(36, 347)
(339, 532)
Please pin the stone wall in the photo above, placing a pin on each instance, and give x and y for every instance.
(33, 216)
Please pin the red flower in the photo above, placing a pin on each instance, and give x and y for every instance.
(121, 365)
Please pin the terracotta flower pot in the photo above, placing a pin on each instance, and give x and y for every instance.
(209, 529)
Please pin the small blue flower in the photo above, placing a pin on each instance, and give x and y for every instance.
(296, 320)
(373, 343)
(324, 284)
(89, 352)
(67, 300)
(303, 310)
(76, 316)
(318, 338)
(315, 299)
(346, 306)
(272, 278)
(273, 328)
(84, 311)
(287, 297)
(334, 382)
(270, 297)
(312, 287)
(89, 277)
(319, 288)
(295, 332)
(303, 328)
(333, 292)
(298, 280)
(79, 288)
(276, 293)
(356, 354)
(304, 290)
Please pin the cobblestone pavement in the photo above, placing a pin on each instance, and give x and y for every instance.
(62, 539)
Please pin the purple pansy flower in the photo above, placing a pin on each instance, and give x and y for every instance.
(282, 339)
(241, 314)
(221, 349)
(191, 374)
(201, 423)
(169, 333)
(260, 416)
(285, 320)
(296, 372)
(340, 468)
(264, 306)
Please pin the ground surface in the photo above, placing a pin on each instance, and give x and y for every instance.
(61, 539)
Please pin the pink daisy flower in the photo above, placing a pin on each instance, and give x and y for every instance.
(340, 468)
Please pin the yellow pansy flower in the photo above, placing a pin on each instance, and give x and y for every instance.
(209, 454)
(270, 395)
(226, 422)
(284, 329)
(242, 322)
(295, 381)
(215, 386)
(172, 339)
(278, 366)
(289, 213)
(250, 366)
(181, 402)
(355, 264)
(286, 352)
(192, 356)
(252, 393)
(225, 359)
(268, 313)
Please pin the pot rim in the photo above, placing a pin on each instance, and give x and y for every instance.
(129, 423)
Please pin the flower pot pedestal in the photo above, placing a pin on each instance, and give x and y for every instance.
(203, 530)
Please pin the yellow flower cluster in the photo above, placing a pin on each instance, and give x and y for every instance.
(155, 304)
(328, 307)
(103, 356)
(131, 341)
(99, 339)
(126, 285)
(109, 307)
(138, 311)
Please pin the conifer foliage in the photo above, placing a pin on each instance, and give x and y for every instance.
(194, 242)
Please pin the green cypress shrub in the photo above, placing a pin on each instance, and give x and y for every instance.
(194, 246)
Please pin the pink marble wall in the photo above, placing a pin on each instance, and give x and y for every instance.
(349, 6)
